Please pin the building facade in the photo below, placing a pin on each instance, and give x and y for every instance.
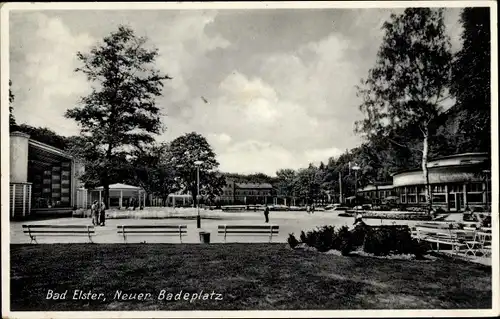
(377, 193)
(246, 193)
(457, 183)
(42, 178)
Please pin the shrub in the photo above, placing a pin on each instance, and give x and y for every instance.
(324, 238)
(386, 240)
(344, 241)
(419, 249)
(292, 241)
(377, 242)
(310, 239)
(303, 237)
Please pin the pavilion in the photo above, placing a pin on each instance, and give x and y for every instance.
(118, 193)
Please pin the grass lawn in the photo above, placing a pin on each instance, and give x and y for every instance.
(247, 277)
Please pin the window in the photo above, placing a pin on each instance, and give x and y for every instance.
(455, 188)
(475, 187)
(422, 199)
(438, 198)
(438, 189)
(474, 197)
(412, 198)
(412, 190)
(403, 198)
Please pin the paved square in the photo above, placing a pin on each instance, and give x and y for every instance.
(289, 222)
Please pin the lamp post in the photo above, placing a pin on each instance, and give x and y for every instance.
(198, 218)
(355, 168)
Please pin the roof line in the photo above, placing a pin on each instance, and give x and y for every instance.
(49, 148)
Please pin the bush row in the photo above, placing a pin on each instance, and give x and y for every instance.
(381, 215)
(377, 240)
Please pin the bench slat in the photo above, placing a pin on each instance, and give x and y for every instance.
(59, 232)
(153, 226)
(247, 227)
(248, 233)
(151, 232)
(58, 226)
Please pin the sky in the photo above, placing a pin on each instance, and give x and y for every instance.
(280, 83)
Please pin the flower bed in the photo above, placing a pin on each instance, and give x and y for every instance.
(399, 215)
(376, 240)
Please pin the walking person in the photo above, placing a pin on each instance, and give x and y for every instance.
(94, 211)
(102, 214)
(266, 213)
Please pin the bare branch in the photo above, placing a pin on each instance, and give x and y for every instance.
(404, 146)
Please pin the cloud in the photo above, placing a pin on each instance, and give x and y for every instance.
(46, 85)
(183, 44)
(279, 93)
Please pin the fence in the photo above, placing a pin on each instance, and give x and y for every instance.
(20, 199)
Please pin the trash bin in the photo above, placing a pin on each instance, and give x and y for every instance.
(205, 237)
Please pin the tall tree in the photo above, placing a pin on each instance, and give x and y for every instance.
(119, 116)
(410, 80)
(154, 171)
(12, 120)
(471, 81)
(285, 182)
(192, 152)
(308, 184)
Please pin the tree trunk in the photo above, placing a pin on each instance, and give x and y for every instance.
(194, 194)
(106, 195)
(425, 171)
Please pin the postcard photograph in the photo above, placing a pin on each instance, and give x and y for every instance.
(310, 158)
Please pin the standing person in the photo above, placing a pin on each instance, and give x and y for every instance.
(102, 214)
(266, 213)
(94, 211)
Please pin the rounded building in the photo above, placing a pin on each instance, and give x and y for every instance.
(457, 182)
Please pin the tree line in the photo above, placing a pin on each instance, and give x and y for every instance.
(403, 100)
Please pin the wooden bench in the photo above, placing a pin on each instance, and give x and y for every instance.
(34, 231)
(166, 230)
(256, 230)
(455, 238)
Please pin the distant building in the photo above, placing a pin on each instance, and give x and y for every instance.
(378, 192)
(457, 182)
(246, 193)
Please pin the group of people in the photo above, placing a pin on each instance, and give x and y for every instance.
(310, 209)
(98, 212)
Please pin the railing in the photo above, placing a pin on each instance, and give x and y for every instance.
(20, 199)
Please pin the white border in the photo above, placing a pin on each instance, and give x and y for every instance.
(5, 233)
